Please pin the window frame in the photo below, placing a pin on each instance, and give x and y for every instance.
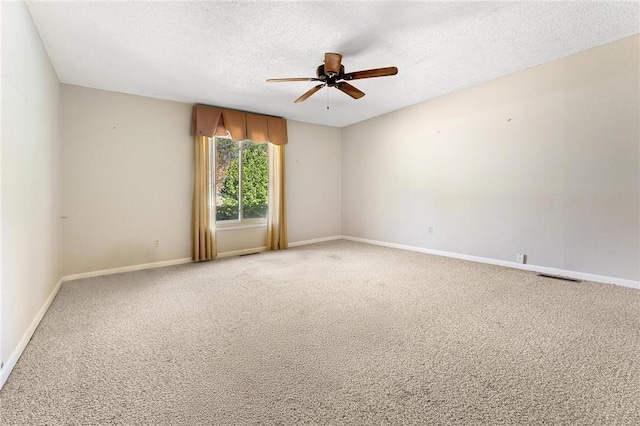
(239, 223)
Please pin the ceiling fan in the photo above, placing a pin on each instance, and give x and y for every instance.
(332, 74)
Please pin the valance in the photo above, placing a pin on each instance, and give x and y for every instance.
(212, 121)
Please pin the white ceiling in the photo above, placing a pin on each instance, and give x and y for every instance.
(221, 53)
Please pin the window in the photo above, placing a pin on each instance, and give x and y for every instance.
(242, 179)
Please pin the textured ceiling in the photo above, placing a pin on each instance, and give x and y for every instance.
(221, 53)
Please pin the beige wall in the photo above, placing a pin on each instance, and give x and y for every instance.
(543, 162)
(31, 229)
(128, 177)
(314, 180)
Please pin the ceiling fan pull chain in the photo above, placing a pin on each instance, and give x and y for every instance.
(327, 98)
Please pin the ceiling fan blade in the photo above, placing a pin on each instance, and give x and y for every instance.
(332, 63)
(377, 72)
(280, 80)
(350, 90)
(309, 93)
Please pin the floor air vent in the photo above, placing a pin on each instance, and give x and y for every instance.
(559, 277)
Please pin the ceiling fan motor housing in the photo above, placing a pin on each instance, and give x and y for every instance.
(323, 76)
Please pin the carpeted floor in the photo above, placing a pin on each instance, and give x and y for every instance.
(331, 333)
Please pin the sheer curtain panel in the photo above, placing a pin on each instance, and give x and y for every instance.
(277, 212)
(203, 224)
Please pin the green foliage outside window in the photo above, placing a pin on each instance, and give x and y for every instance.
(255, 178)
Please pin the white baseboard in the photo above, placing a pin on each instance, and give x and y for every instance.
(315, 240)
(241, 252)
(26, 337)
(127, 269)
(540, 269)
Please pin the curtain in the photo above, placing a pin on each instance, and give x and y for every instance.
(203, 224)
(207, 122)
(210, 121)
(277, 213)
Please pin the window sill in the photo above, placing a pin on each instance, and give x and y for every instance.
(233, 226)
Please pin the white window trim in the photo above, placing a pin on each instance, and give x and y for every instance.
(227, 226)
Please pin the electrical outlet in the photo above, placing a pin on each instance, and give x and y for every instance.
(521, 258)
(430, 229)
(156, 243)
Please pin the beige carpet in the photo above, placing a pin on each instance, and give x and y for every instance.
(332, 333)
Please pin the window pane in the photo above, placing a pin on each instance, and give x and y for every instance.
(227, 175)
(255, 179)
